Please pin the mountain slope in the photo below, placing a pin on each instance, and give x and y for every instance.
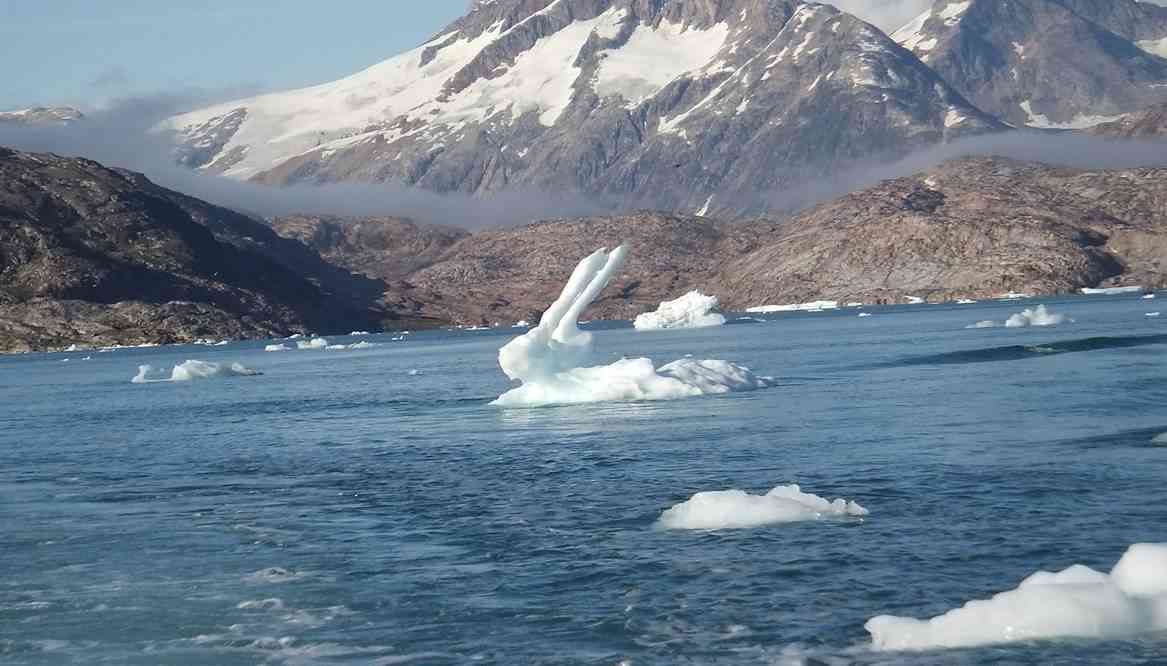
(1047, 63)
(40, 115)
(97, 256)
(1146, 124)
(655, 103)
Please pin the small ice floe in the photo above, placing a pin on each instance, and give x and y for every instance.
(1077, 602)
(915, 300)
(693, 310)
(1149, 297)
(1112, 291)
(1038, 316)
(191, 370)
(295, 336)
(1013, 296)
(277, 348)
(864, 314)
(813, 306)
(355, 333)
(549, 359)
(414, 373)
(855, 304)
(732, 509)
(986, 323)
(356, 345)
(965, 301)
(314, 343)
(1152, 314)
(522, 323)
(1161, 438)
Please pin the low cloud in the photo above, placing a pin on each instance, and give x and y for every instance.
(112, 78)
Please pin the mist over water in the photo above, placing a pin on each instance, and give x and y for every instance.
(372, 506)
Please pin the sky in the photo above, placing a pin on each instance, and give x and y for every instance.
(83, 52)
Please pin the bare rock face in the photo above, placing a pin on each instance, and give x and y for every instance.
(1046, 63)
(671, 104)
(384, 248)
(970, 228)
(1150, 123)
(108, 256)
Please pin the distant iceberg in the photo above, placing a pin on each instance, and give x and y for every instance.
(277, 348)
(191, 370)
(548, 360)
(1077, 602)
(1038, 316)
(314, 343)
(731, 509)
(1112, 291)
(693, 310)
(813, 306)
(915, 300)
(965, 301)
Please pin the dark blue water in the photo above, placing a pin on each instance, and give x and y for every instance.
(338, 509)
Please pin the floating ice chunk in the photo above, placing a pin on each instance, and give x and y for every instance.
(277, 348)
(1149, 297)
(1152, 314)
(363, 344)
(191, 370)
(864, 314)
(359, 333)
(729, 509)
(915, 300)
(294, 336)
(965, 301)
(693, 310)
(1112, 291)
(813, 306)
(1077, 602)
(1161, 438)
(1038, 316)
(1014, 295)
(314, 343)
(522, 323)
(549, 358)
(987, 323)
(414, 373)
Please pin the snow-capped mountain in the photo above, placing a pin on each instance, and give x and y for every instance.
(672, 103)
(41, 115)
(1047, 63)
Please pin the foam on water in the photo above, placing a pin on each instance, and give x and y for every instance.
(987, 323)
(729, 509)
(693, 310)
(1077, 602)
(193, 369)
(549, 358)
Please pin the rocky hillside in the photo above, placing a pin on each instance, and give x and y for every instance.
(976, 227)
(93, 255)
(1047, 63)
(1150, 123)
(678, 105)
(41, 116)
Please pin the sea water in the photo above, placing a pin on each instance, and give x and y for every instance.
(370, 506)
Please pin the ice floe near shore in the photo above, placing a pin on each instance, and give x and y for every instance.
(730, 509)
(191, 370)
(1077, 602)
(813, 306)
(1111, 291)
(549, 359)
(693, 310)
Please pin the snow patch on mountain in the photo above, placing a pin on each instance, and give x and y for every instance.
(654, 56)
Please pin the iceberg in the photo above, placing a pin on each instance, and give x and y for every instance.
(731, 509)
(314, 343)
(693, 310)
(1077, 602)
(813, 306)
(549, 359)
(1112, 291)
(1149, 297)
(1038, 316)
(277, 348)
(915, 300)
(191, 370)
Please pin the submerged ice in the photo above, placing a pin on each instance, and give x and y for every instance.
(729, 509)
(693, 310)
(549, 360)
(191, 370)
(1077, 602)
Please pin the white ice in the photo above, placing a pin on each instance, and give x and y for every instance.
(813, 306)
(1112, 291)
(314, 343)
(1161, 438)
(1077, 602)
(191, 370)
(693, 310)
(1153, 314)
(1038, 316)
(549, 359)
(987, 323)
(277, 348)
(729, 509)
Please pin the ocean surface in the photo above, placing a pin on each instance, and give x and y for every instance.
(370, 506)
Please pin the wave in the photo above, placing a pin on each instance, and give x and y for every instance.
(1020, 352)
(1077, 602)
(191, 370)
(730, 509)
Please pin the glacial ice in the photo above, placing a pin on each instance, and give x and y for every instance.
(549, 359)
(729, 509)
(1112, 291)
(314, 343)
(1038, 316)
(986, 323)
(1161, 438)
(277, 348)
(693, 310)
(813, 306)
(1077, 602)
(191, 370)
